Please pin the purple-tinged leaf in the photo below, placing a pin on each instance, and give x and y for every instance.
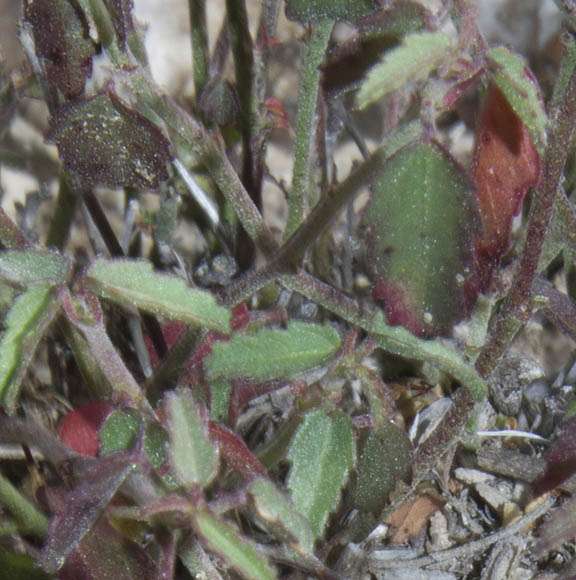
(560, 460)
(62, 40)
(82, 506)
(105, 553)
(105, 143)
(418, 229)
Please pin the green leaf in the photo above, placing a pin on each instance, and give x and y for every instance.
(119, 431)
(273, 353)
(418, 228)
(384, 461)
(279, 516)
(229, 544)
(105, 143)
(322, 453)
(418, 55)
(511, 74)
(26, 324)
(306, 11)
(26, 266)
(134, 283)
(193, 456)
(220, 392)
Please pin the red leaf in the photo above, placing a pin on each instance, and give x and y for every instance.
(79, 428)
(506, 165)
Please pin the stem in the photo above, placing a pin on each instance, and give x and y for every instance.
(30, 519)
(199, 39)
(517, 306)
(393, 339)
(151, 325)
(200, 142)
(306, 122)
(63, 214)
(241, 46)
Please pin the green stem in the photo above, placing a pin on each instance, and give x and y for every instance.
(63, 214)
(306, 121)
(199, 38)
(194, 137)
(517, 306)
(30, 519)
(393, 339)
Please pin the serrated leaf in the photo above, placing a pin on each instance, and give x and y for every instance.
(134, 283)
(306, 11)
(26, 324)
(278, 514)
(229, 544)
(193, 456)
(384, 461)
(104, 143)
(418, 230)
(510, 73)
(322, 453)
(273, 353)
(25, 266)
(418, 55)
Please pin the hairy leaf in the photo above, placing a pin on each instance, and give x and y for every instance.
(510, 73)
(418, 55)
(193, 456)
(384, 461)
(506, 164)
(279, 515)
(322, 453)
(81, 508)
(119, 431)
(106, 553)
(306, 11)
(26, 323)
(62, 41)
(228, 543)
(134, 283)
(105, 143)
(273, 353)
(25, 266)
(418, 229)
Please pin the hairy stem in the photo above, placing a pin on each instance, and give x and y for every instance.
(199, 39)
(30, 519)
(306, 122)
